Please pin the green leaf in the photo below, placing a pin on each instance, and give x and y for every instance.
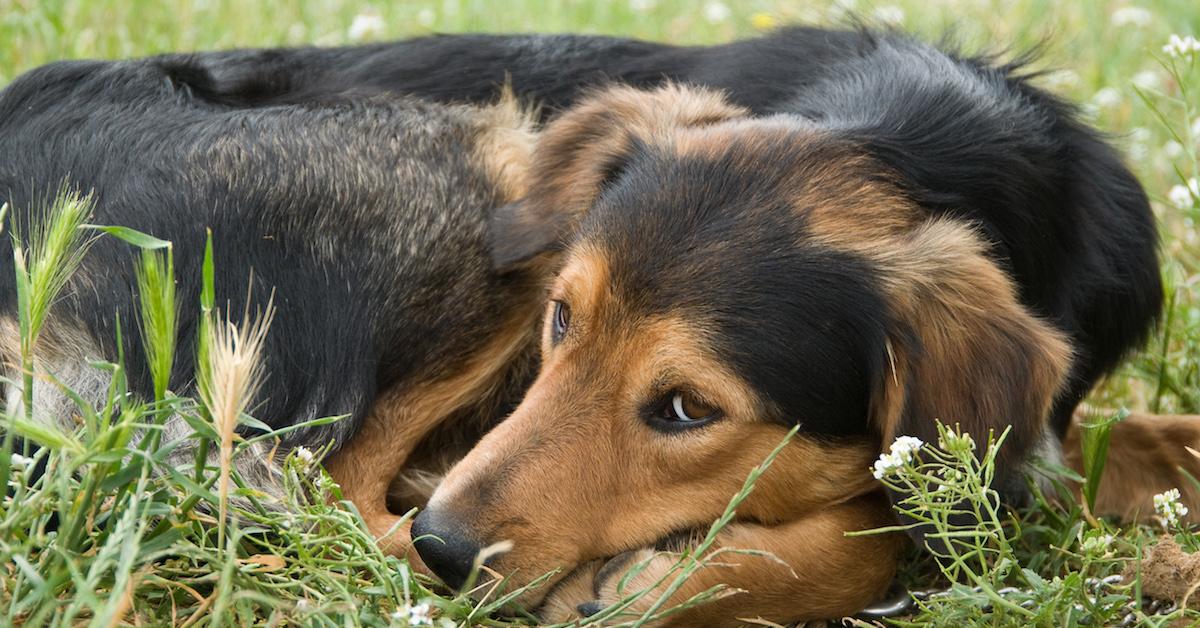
(1093, 439)
(141, 240)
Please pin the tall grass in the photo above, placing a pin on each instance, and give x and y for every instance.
(115, 532)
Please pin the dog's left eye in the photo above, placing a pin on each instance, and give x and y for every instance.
(683, 408)
(560, 321)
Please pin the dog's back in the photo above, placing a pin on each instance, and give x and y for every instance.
(365, 217)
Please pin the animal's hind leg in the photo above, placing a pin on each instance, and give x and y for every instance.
(1145, 455)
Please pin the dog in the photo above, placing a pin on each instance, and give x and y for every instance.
(903, 235)
(848, 230)
(365, 218)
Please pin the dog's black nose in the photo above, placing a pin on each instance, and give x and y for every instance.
(443, 544)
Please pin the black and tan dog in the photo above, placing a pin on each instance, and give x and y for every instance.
(849, 231)
(366, 218)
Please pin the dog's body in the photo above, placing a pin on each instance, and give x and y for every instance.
(984, 124)
(365, 218)
(862, 234)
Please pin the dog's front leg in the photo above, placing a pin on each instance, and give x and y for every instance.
(366, 465)
(811, 570)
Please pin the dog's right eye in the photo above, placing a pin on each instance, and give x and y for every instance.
(560, 322)
(681, 410)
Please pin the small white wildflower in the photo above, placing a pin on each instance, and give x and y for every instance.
(1183, 196)
(297, 32)
(19, 462)
(906, 446)
(366, 26)
(1181, 47)
(642, 6)
(886, 465)
(901, 453)
(1107, 98)
(1062, 79)
(1139, 143)
(716, 12)
(304, 457)
(1132, 16)
(1168, 506)
(1147, 79)
(426, 17)
(890, 14)
(1196, 129)
(302, 605)
(418, 615)
(1173, 149)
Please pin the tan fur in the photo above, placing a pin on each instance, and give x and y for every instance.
(812, 572)
(1146, 453)
(401, 418)
(505, 145)
(983, 359)
(574, 475)
(577, 148)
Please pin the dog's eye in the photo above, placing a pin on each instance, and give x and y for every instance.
(560, 321)
(684, 408)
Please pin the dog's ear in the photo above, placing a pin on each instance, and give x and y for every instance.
(584, 149)
(962, 348)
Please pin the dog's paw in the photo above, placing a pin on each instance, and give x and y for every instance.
(561, 604)
(595, 586)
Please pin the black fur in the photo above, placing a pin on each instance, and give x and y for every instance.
(970, 138)
(364, 218)
(967, 138)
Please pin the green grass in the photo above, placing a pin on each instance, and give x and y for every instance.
(114, 534)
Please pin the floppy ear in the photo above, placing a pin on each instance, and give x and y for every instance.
(962, 348)
(585, 148)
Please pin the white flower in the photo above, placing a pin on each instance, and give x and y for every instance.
(1173, 150)
(1062, 79)
(1131, 16)
(1107, 98)
(19, 462)
(890, 14)
(426, 17)
(1196, 129)
(716, 12)
(418, 615)
(642, 6)
(302, 605)
(1139, 139)
(1147, 79)
(1168, 506)
(1181, 47)
(1183, 196)
(366, 26)
(906, 446)
(886, 465)
(304, 457)
(901, 453)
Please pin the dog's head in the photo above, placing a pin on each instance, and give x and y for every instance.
(719, 279)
